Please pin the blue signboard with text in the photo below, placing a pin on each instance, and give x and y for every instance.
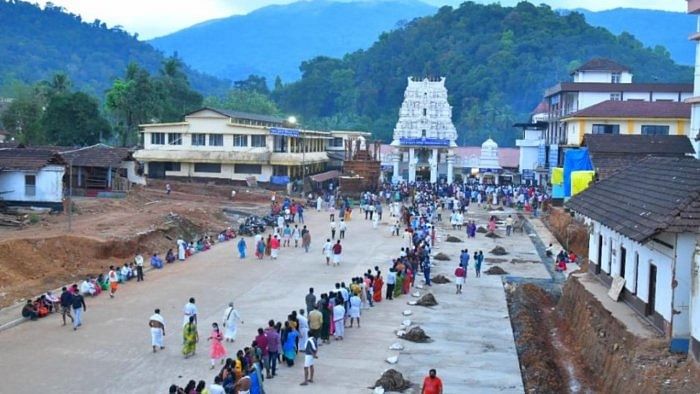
(284, 132)
(425, 141)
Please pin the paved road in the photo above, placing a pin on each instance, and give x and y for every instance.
(111, 353)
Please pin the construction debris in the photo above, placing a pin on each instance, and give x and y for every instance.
(392, 380)
(453, 239)
(495, 270)
(441, 257)
(428, 299)
(481, 230)
(493, 235)
(499, 251)
(416, 334)
(441, 279)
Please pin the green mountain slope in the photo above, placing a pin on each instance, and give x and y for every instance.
(498, 61)
(36, 43)
(652, 27)
(274, 40)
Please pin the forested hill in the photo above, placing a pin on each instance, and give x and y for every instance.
(36, 43)
(652, 27)
(272, 41)
(498, 61)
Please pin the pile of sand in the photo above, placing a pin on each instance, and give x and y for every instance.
(440, 279)
(482, 230)
(499, 251)
(392, 380)
(427, 300)
(493, 235)
(452, 239)
(441, 257)
(495, 270)
(416, 334)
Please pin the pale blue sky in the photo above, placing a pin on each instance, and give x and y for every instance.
(152, 18)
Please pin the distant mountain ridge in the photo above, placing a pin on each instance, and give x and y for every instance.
(35, 43)
(275, 40)
(652, 27)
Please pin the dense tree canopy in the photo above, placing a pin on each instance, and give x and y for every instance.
(498, 61)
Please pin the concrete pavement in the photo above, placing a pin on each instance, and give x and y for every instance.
(473, 346)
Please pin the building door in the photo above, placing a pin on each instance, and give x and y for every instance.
(652, 290)
(600, 255)
(623, 259)
(156, 170)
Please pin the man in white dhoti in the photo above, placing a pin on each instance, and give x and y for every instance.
(231, 317)
(355, 304)
(339, 319)
(303, 329)
(157, 324)
(189, 310)
(181, 249)
(319, 203)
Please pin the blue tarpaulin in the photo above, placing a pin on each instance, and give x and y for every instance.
(279, 180)
(575, 160)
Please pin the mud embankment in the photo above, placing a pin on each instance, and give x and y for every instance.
(31, 266)
(574, 345)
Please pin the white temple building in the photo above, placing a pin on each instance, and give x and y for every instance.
(424, 135)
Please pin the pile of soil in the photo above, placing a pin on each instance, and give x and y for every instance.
(495, 270)
(427, 300)
(393, 380)
(499, 251)
(441, 279)
(441, 257)
(416, 334)
(493, 235)
(482, 230)
(494, 260)
(453, 239)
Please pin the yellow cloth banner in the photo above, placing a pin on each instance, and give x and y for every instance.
(580, 181)
(557, 176)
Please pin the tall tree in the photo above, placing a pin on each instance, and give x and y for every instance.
(132, 101)
(176, 97)
(74, 119)
(254, 83)
(245, 101)
(23, 116)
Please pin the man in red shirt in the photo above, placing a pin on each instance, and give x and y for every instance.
(432, 384)
(337, 251)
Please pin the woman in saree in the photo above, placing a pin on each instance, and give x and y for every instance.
(268, 245)
(326, 325)
(242, 248)
(408, 280)
(398, 288)
(377, 287)
(189, 338)
(289, 347)
(260, 249)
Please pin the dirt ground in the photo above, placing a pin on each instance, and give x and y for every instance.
(570, 233)
(571, 345)
(105, 231)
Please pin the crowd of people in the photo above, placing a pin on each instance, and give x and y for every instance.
(71, 302)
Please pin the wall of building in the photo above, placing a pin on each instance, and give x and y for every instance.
(49, 185)
(576, 128)
(637, 265)
(227, 172)
(528, 158)
(695, 303)
(600, 76)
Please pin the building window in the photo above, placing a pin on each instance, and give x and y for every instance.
(615, 77)
(207, 167)
(616, 96)
(279, 171)
(172, 166)
(216, 140)
(337, 142)
(240, 140)
(30, 185)
(199, 139)
(248, 169)
(654, 130)
(158, 138)
(174, 139)
(606, 129)
(257, 141)
(280, 143)
(425, 112)
(423, 133)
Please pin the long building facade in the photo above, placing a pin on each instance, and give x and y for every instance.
(232, 146)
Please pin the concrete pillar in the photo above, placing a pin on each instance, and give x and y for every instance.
(450, 167)
(411, 165)
(434, 166)
(395, 176)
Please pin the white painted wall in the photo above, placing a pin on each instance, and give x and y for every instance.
(528, 158)
(649, 253)
(695, 293)
(600, 77)
(227, 172)
(685, 248)
(49, 185)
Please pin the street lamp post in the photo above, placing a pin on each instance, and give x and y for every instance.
(293, 121)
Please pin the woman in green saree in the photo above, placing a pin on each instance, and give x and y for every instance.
(189, 338)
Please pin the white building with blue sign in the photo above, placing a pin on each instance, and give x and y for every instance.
(215, 144)
(424, 135)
